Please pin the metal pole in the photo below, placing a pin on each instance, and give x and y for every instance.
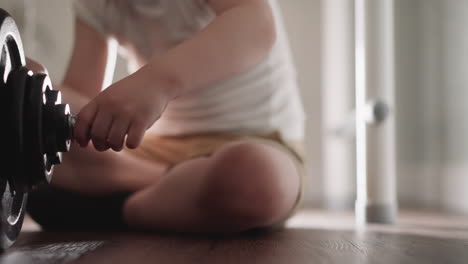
(375, 113)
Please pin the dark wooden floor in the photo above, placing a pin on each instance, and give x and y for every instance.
(311, 237)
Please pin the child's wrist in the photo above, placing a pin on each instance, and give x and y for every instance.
(167, 83)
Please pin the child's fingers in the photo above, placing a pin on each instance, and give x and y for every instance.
(83, 124)
(117, 134)
(100, 130)
(135, 134)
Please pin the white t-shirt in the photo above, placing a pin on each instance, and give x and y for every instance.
(260, 100)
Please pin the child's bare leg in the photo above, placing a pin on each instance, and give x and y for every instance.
(243, 185)
(88, 171)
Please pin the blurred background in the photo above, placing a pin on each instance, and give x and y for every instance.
(431, 91)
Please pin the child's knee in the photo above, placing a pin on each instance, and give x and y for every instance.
(243, 187)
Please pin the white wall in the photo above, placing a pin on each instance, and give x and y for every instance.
(455, 119)
(46, 30)
(432, 98)
(303, 22)
(431, 102)
(418, 97)
(338, 153)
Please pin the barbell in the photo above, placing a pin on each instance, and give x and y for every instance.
(37, 126)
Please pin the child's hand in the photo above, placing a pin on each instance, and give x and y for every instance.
(126, 108)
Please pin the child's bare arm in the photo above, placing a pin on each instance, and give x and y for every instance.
(85, 73)
(242, 34)
(239, 37)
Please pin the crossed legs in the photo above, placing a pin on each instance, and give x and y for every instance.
(242, 185)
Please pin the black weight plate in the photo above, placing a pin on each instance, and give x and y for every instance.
(62, 113)
(14, 194)
(11, 39)
(16, 90)
(12, 208)
(12, 214)
(38, 171)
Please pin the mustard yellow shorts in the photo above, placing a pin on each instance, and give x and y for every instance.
(172, 150)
